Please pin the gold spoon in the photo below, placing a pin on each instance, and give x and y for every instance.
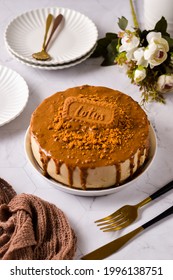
(43, 55)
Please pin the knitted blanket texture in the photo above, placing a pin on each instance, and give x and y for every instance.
(33, 229)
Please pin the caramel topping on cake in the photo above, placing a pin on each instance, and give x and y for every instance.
(90, 127)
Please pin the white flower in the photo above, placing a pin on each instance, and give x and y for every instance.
(139, 74)
(151, 35)
(156, 52)
(130, 55)
(129, 43)
(139, 57)
(165, 83)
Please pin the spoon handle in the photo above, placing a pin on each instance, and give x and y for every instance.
(55, 25)
(48, 23)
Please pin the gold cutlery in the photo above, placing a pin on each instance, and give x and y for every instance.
(43, 55)
(116, 244)
(128, 213)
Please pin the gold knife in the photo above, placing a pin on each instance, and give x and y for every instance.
(116, 244)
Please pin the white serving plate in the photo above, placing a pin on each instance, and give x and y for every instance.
(74, 38)
(59, 186)
(14, 95)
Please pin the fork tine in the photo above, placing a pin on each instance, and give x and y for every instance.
(120, 226)
(109, 217)
(112, 220)
(112, 224)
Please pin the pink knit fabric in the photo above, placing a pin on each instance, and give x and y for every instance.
(33, 229)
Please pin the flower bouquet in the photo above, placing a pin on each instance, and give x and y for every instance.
(147, 56)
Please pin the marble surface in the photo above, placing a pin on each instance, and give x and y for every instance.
(156, 242)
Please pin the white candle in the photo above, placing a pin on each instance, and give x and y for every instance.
(155, 9)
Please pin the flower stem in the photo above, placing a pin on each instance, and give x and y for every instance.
(135, 21)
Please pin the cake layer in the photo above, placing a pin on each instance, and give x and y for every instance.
(90, 137)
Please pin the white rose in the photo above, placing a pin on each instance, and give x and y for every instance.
(155, 35)
(129, 42)
(165, 83)
(139, 57)
(139, 74)
(156, 52)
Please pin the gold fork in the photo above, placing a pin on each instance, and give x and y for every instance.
(128, 213)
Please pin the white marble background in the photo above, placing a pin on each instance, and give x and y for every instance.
(154, 243)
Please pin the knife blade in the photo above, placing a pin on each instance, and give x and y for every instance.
(111, 247)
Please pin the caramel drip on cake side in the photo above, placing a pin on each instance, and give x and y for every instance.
(83, 177)
(70, 175)
(140, 155)
(118, 173)
(132, 165)
(58, 166)
(44, 159)
(83, 171)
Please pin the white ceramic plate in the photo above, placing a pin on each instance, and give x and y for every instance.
(54, 67)
(74, 38)
(73, 191)
(13, 94)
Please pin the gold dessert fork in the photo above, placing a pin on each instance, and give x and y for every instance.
(128, 213)
(43, 55)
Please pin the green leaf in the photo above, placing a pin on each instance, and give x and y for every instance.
(101, 49)
(122, 23)
(161, 26)
(112, 47)
(102, 44)
(111, 36)
(109, 58)
(169, 40)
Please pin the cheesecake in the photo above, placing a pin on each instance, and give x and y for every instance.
(90, 137)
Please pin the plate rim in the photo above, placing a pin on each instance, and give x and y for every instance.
(94, 193)
(26, 94)
(55, 67)
(54, 9)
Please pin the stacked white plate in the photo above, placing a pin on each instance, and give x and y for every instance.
(73, 42)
